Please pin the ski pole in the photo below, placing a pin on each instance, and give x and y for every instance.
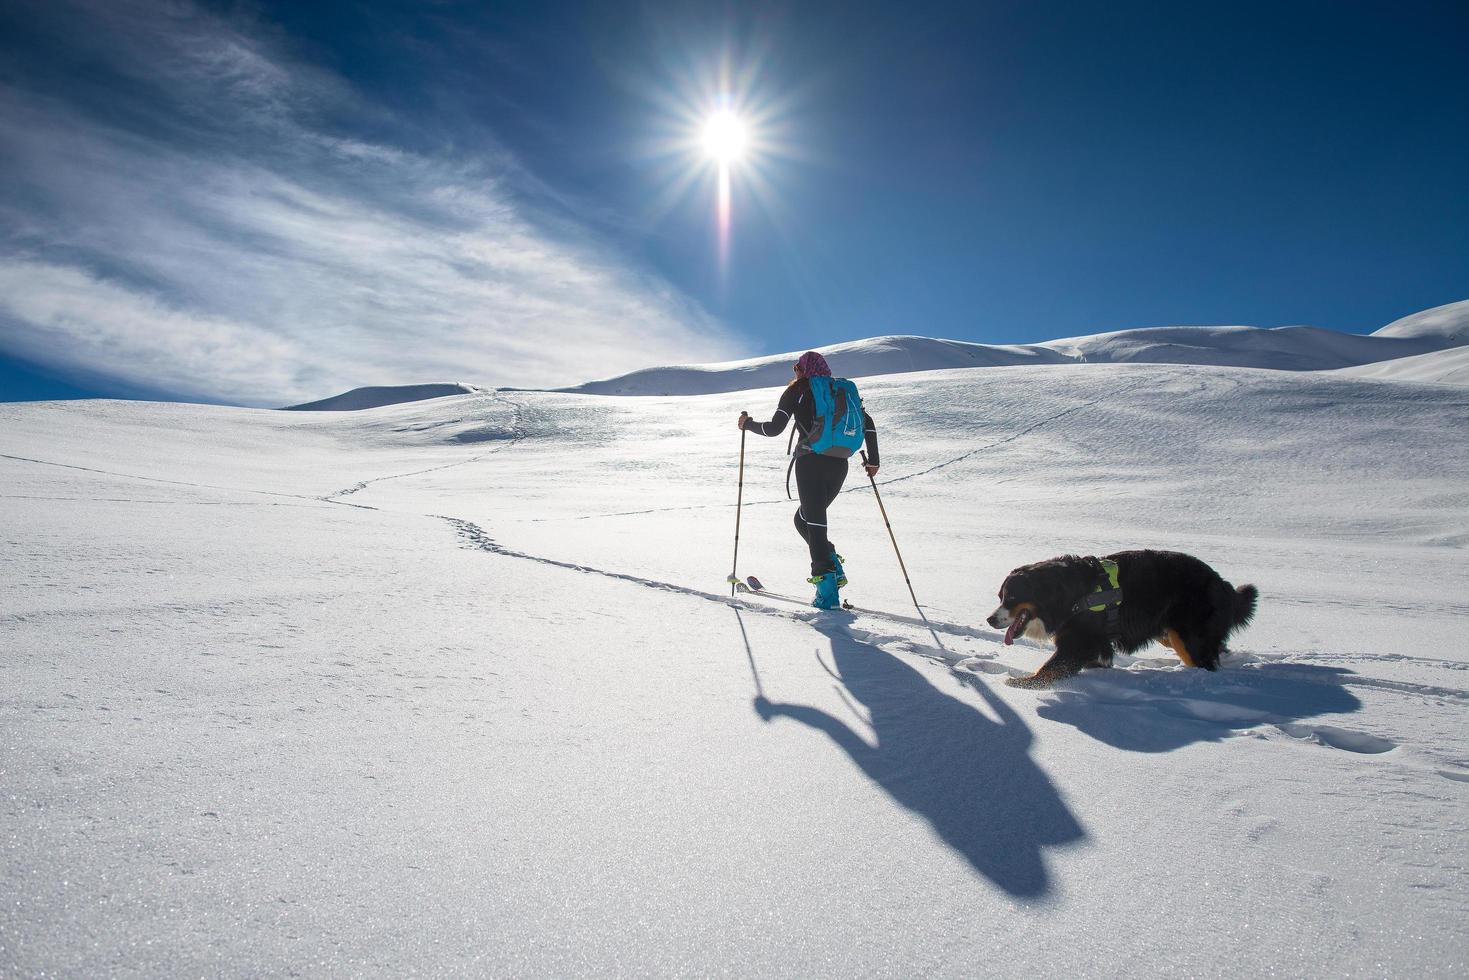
(739, 501)
(885, 520)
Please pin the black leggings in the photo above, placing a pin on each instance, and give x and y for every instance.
(818, 481)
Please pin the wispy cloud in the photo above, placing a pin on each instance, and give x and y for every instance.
(206, 216)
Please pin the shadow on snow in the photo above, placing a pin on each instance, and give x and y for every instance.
(1159, 711)
(969, 776)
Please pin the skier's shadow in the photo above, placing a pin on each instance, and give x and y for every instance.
(969, 776)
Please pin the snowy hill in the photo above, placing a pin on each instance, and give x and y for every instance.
(858, 359)
(455, 687)
(1444, 367)
(1280, 348)
(379, 396)
(1449, 325)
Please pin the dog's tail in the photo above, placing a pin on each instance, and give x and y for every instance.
(1244, 605)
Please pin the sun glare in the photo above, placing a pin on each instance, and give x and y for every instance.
(725, 131)
(725, 137)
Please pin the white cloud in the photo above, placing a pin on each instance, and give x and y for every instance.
(219, 244)
(58, 314)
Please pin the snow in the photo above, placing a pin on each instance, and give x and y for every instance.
(859, 359)
(380, 396)
(1446, 367)
(1279, 348)
(455, 687)
(1448, 324)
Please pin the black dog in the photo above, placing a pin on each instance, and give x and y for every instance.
(1092, 608)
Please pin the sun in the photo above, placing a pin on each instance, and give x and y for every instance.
(725, 137)
(725, 128)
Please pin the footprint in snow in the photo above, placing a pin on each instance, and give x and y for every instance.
(1339, 738)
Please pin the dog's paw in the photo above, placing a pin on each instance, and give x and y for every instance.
(1034, 682)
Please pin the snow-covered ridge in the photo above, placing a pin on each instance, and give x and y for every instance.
(1297, 348)
(1279, 348)
(380, 395)
(1443, 367)
(1449, 323)
(854, 359)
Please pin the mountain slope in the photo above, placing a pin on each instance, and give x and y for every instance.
(856, 359)
(1448, 324)
(457, 687)
(1280, 348)
(1445, 367)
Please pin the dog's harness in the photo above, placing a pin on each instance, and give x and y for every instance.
(1106, 598)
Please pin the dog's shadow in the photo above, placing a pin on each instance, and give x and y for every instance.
(1164, 710)
(970, 776)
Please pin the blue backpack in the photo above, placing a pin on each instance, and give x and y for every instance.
(838, 430)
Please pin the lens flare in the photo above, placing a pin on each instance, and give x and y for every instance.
(723, 216)
(726, 131)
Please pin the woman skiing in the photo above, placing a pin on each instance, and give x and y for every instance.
(826, 412)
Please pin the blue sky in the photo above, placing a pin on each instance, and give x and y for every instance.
(270, 202)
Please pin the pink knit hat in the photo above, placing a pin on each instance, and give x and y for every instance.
(813, 365)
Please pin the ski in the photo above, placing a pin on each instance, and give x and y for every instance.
(754, 586)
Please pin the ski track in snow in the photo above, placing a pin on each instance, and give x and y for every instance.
(517, 434)
(156, 479)
(1295, 710)
(1014, 436)
(476, 537)
(994, 444)
(966, 666)
(1237, 702)
(161, 503)
(1230, 721)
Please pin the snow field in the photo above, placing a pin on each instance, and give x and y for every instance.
(456, 686)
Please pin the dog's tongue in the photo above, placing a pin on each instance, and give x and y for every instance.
(1016, 625)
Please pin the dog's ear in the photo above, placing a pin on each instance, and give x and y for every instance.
(1018, 586)
(1014, 582)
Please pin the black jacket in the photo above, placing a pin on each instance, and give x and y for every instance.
(796, 403)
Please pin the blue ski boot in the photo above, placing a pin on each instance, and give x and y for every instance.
(826, 591)
(836, 562)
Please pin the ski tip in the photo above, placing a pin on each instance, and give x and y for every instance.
(755, 584)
